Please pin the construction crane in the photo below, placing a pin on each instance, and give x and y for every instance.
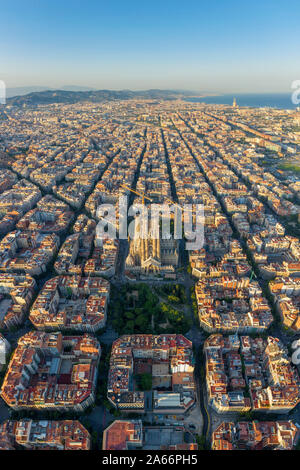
(142, 195)
(177, 205)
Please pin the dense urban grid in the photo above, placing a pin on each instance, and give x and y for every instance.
(139, 343)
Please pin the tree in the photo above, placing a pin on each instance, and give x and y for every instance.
(144, 381)
(129, 326)
(173, 299)
(201, 441)
(129, 315)
(141, 321)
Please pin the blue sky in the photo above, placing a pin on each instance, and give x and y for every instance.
(222, 45)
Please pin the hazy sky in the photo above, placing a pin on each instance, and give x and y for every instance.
(221, 45)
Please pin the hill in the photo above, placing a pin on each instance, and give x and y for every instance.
(93, 96)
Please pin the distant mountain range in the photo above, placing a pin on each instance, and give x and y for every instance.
(24, 90)
(93, 96)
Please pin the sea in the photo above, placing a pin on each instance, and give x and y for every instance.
(260, 100)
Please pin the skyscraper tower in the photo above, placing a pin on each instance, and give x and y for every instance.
(234, 103)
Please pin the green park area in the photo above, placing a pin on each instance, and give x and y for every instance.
(142, 309)
(290, 167)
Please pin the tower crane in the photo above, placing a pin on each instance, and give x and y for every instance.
(142, 195)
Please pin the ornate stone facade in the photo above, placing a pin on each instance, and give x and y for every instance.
(150, 254)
